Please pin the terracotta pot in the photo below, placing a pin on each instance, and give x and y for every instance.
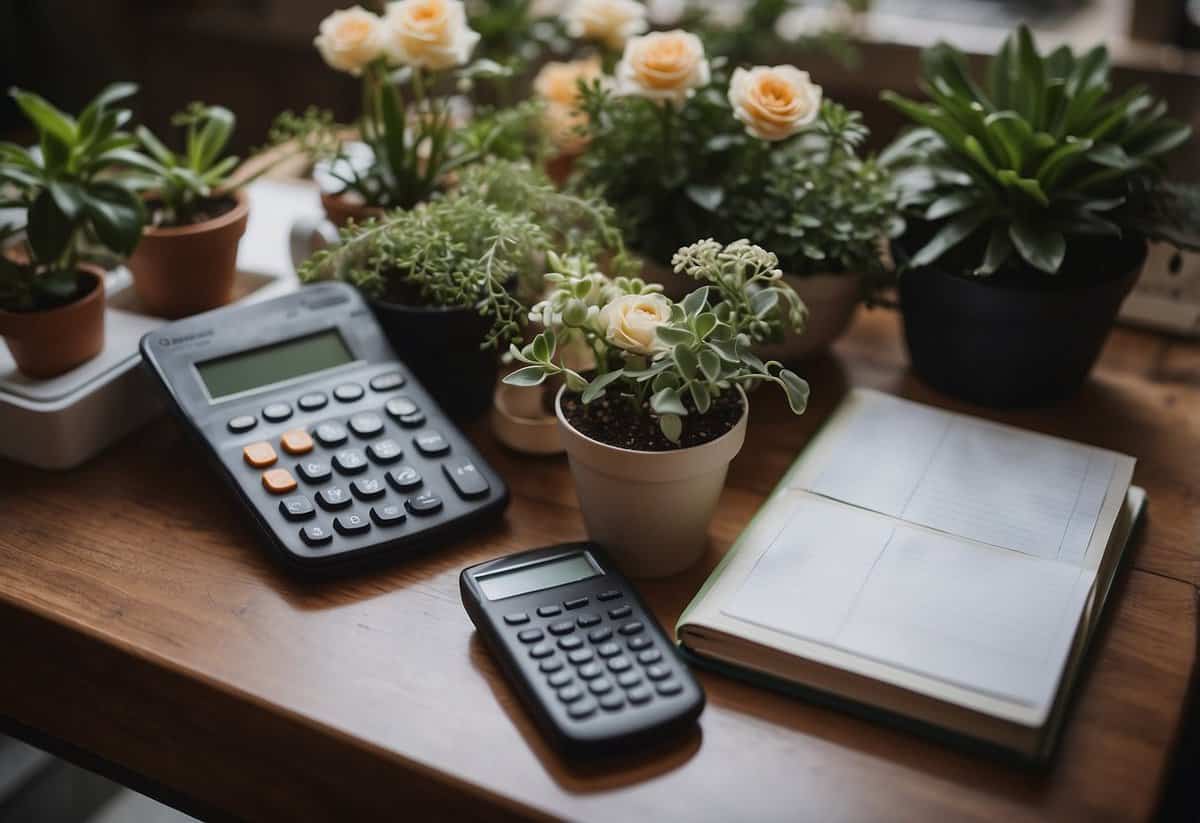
(650, 510)
(559, 168)
(831, 300)
(183, 270)
(340, 209)
(47, 343)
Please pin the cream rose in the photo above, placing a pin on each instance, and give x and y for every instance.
(430, 34)
(350, 39)
(611, 22)
(631, 322)
(663, 66)
(774, 102)
(558, 85)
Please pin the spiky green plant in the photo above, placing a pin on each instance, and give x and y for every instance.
(1041, 155)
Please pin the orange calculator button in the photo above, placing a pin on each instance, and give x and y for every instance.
(259, 455)
(296, 441)
(278, 481)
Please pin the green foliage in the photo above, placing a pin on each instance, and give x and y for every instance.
(753, 39)
(513, 38)
(70, 194)
(1040, 155)
(703, 346)
(471, 247)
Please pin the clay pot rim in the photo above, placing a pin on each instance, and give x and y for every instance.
(96, 293)
(237, 213)
(351, 205)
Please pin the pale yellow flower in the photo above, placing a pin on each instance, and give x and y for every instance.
(350, 39)
(774, 102)
(631, 322)
(665, 67)
(430, 34)
(611, 22)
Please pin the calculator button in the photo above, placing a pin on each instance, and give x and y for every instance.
(600, 635)
(635, 627)
(608, 650)
(312, 402)
(333, 498)
(586, 621)
(316, 535)
(331, 434)
(277, 412)
(640, 642)
(553, 664)
(469, 482)
(601, 685)
(612, 702)
(298, 507)
(296, 441)
(611, 594)
(399, 407)
(627, 680)
(242, 423)
(658, 672)
(424, 504)
(562, 627)
(368, 488)
(387, 382)
(583, 709)
(404, 478)
(516, 618)
(412, 421)
(541, 650)
(389, 515)
(649, 656)
(620, 612)
(259, 455)
(577, 603)
(570, 643)
(549, 611)
(385, 451)
(669, 687)
(580, 656)
(530, 635)
(366, 424)
(620, 664)
(350, 461)
(570, 694)
(559, 679)
(431, 444)
(348, 392)
(590, 671)
(278, 481)
(638, 694)
(352, 524)
(314, 471)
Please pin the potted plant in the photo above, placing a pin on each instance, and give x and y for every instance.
(650, 431)
(444, 277)
(186, 261)
(51, 299)
(684, 149)
(1030, 197)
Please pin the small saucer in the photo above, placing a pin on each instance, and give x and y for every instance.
(514, 423)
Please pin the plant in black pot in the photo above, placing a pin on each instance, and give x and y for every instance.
(451, 280)
(1029, 197)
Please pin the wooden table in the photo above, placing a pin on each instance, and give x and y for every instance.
(144, 634)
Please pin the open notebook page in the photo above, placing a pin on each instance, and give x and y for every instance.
(1009, 488)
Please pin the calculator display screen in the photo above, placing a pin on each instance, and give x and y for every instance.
(537, 576)
(243, 371)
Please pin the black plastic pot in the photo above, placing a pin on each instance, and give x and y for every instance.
(1016, 341)
(441, 347)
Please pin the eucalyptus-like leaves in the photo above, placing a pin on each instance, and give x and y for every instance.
(1040, 153)
(700, 350)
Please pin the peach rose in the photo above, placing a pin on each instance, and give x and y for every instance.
(430, 34)
(611, 22)
(774, 102)
(663, 66)
(350, 39)
(631, 322)
(558, 84)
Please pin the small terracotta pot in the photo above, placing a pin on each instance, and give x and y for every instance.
(340, 209)
(48, 343)
(650, 510)
(183, 270)
(831, 300)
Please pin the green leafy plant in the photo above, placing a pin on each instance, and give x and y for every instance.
(71, 192)
(1040, 155)
(758, 35)
(701, 346)
(474, 245)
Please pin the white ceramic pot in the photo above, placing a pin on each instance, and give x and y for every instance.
(650, 510)
(831, 301)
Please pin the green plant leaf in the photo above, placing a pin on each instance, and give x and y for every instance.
(1013, 133)
(999, 249)
(45, 117)
(952, 204)
(213, 136)
(796, 389)
(1172, 136)
(667, 401)
(153, 145)
(695, 302)
(1027, 185)
(117, 215)
(704, 323)
(68, 197)
(528, 376)
(763, 302)
(1041, 248)
(1032, 74)
(47, 228)
(89, 117)
(949, 236)
(707, 197)
(686, 361)
(674, 336)
(596, 388)
(710, 363)
(701, 396)
(671, 426)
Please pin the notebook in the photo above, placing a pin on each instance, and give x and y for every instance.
(929, 568)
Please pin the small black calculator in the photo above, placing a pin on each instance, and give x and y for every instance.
(338, 453)
(584, 653)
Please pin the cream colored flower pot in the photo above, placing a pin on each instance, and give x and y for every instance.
(650, 510)
(831, 301)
